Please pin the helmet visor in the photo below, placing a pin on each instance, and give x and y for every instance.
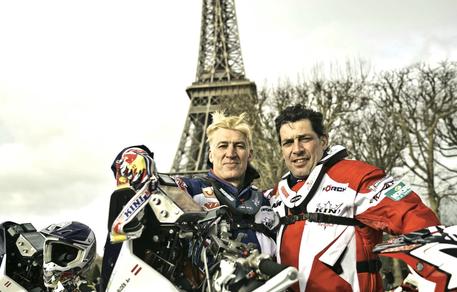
(61, 254)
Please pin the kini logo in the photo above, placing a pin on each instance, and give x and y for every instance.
(328, 208)
(333, 188)
(135, 205)
(7, 284)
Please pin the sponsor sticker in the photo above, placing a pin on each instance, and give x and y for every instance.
(208, 192)
(382, 184)
(211, 205)
(295, 198)
(181, 184)
(136, 269)
(275, 202)
(398, 191)
(329, 188)
(375, 198)
(329, 208)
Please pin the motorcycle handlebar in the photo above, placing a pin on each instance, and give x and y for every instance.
(270, 268)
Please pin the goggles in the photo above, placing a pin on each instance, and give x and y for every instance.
(62, 254)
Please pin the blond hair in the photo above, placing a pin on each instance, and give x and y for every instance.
(237, 123)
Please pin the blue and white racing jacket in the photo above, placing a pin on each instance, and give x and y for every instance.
(247, 204)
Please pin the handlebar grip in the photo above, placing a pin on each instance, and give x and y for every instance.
(270, 268)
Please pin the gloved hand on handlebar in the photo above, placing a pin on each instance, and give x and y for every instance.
(133, 167)
(267, 217)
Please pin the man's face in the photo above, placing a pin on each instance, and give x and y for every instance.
(230, 155)
(301, 147)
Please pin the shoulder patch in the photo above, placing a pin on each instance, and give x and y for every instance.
(180, 183)
(382, 184)
(208, 192)
(398, 191)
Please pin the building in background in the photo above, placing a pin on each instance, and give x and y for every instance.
(220, 78)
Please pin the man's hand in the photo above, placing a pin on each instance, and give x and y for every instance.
(267, 217)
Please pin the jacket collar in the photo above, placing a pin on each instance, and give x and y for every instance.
(250, 175)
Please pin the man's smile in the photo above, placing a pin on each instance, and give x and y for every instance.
(300, 161)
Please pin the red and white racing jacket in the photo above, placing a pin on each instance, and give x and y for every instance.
(335, 257)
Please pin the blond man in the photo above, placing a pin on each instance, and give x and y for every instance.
(228, 182)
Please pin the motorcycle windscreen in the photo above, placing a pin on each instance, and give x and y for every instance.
(171, 205)
(182, 199)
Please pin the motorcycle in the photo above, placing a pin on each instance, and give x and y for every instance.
(431, 256)
(194, 248)
(21, 258)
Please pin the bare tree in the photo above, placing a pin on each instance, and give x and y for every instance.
(373, 138)
(449, 134)
(353, 116)
(421, 100)
(340, 96)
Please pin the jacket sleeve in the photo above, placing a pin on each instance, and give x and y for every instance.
(391, 205)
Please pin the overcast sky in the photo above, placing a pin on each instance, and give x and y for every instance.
(80, 80)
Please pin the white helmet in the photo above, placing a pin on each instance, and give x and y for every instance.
(68, 252)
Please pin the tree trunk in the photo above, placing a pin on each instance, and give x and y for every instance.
(397, 272)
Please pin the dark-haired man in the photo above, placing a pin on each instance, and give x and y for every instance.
(334, 210)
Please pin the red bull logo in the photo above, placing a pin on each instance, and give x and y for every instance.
(132, 167)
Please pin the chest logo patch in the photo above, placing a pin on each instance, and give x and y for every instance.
(329, 188)
(211, 205)
(208, 192)
(329, 208)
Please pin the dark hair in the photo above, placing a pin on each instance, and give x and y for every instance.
(298, 112)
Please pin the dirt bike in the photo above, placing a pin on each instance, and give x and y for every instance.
(21, 258)
(431, 256)
(216, 260)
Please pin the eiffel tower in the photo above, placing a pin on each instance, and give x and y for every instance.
(220, 79)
